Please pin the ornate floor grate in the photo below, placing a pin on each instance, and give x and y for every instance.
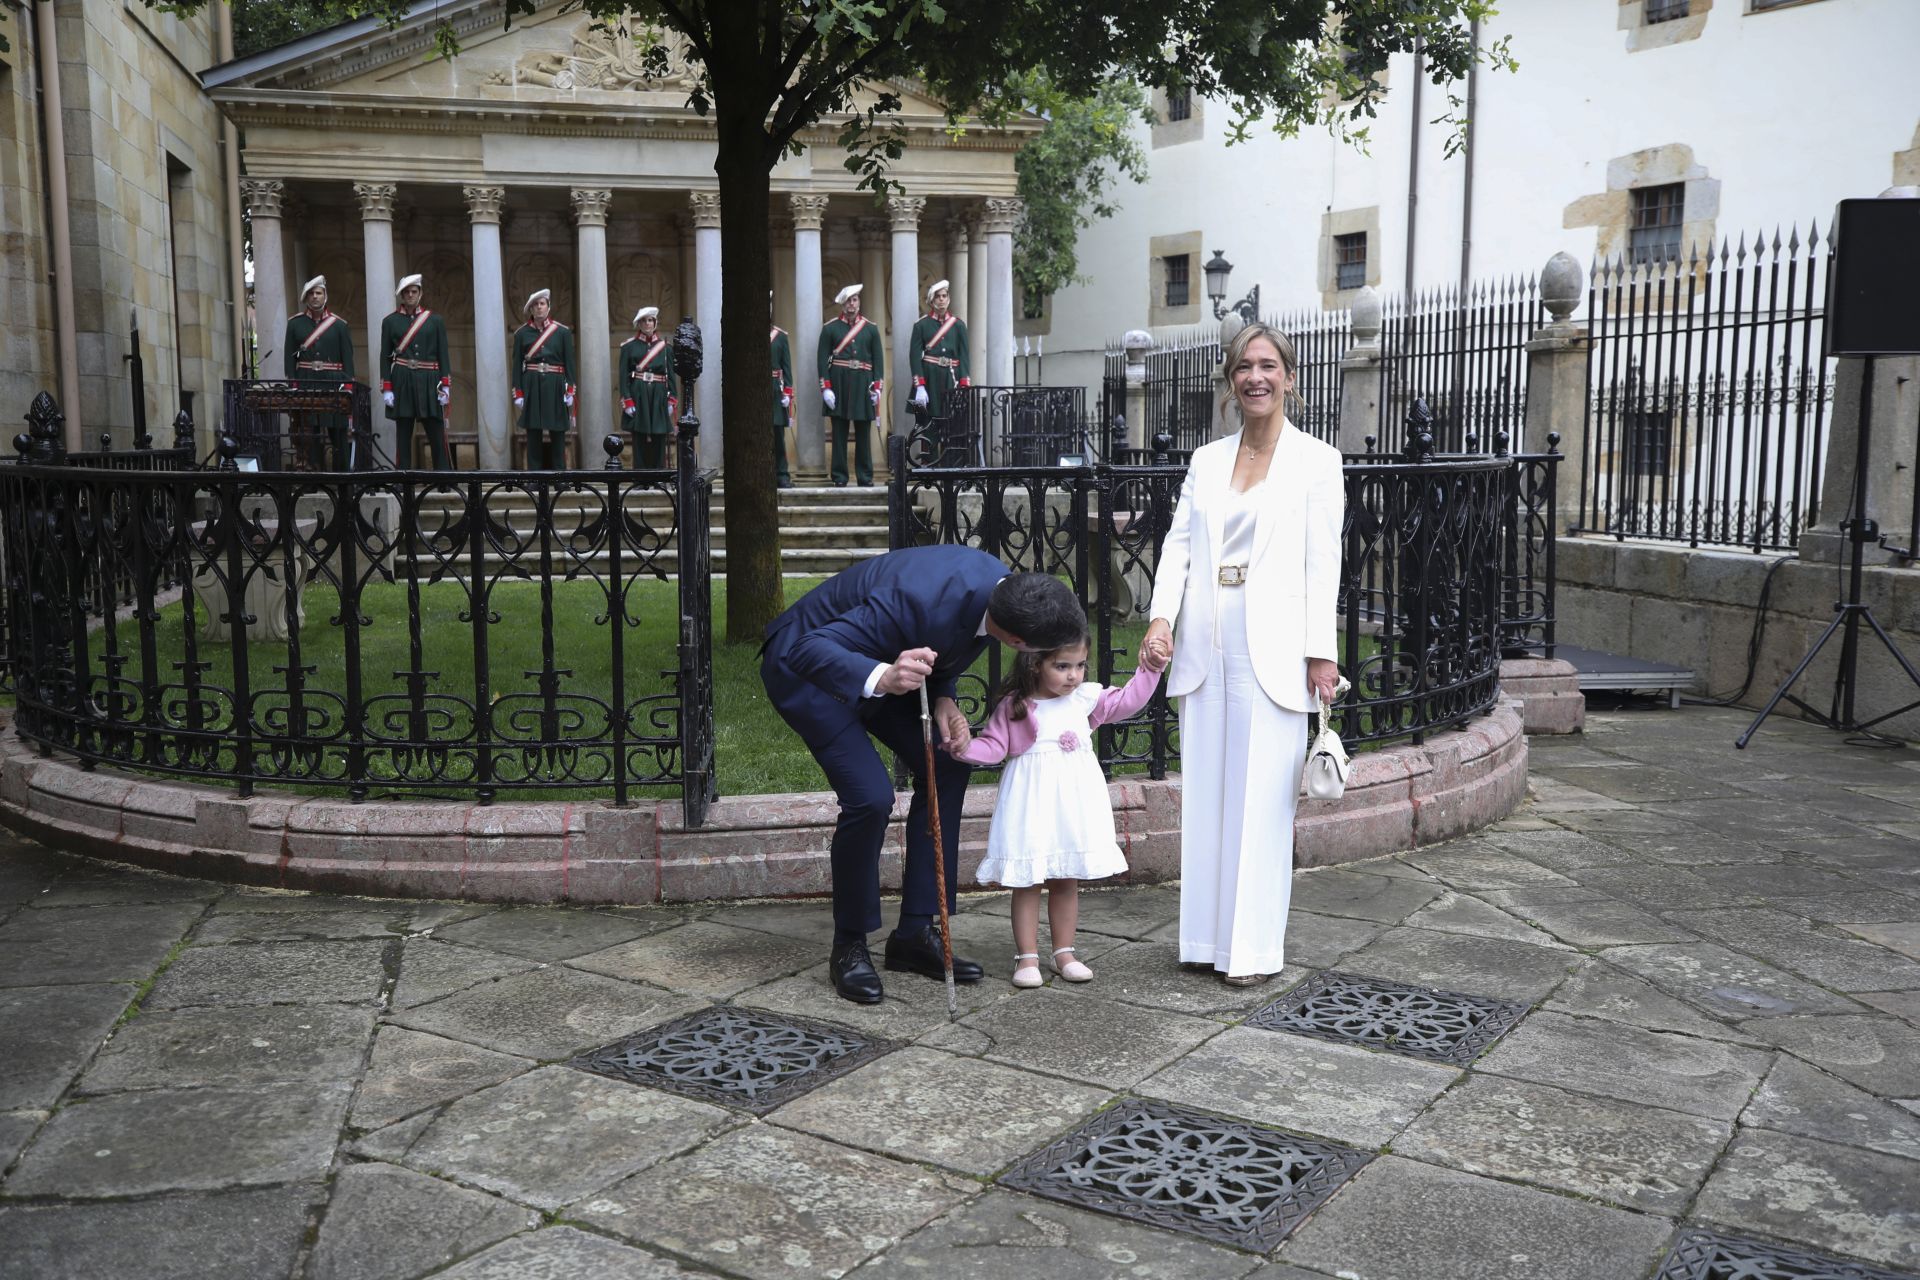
(1700, 1254)
(1438, 1026)
(736, 1057)
(1240, 1184)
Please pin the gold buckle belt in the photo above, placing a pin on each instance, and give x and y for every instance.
(850, 364)
(425, 366)
(546, 368)
(651, 377)
(1233, 575)
(945, 362)
(320, 366)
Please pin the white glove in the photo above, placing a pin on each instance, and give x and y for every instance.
(387, 398)
(920, 396)
(519, 400)
(827, 396)
(446, 395)
(631, 410)
(786, 402)
(567, 400)
(874, 395)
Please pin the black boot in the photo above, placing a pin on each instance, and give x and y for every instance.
(920, 953)
(854, 976)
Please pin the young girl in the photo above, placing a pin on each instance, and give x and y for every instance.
(1053, 824)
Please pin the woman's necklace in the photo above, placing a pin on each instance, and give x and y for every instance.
(1252, 452)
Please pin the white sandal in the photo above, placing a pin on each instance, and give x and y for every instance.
(1027, 975)
(1072, 970)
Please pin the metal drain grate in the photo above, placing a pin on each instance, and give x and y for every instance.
(1237, 1183)
(1700, 1254)
(1438, 1026)
(735, 1057)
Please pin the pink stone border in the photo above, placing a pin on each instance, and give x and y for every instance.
(752, 846)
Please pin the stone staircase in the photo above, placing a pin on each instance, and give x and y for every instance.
(823, 529)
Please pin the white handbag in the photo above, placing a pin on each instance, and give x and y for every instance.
(1327, 763)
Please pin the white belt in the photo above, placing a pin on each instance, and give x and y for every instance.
(1233, 575)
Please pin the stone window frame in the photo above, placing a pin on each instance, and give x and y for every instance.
(1656, 11)
(1183, 244)
(1610, 212)
(1643, 35)
(1168, 132)
(1661, 241)
(1040, 326)
(1344, 257)
(1334, 224)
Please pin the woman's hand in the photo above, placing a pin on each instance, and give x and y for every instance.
(1323, 677)
(1156, 648)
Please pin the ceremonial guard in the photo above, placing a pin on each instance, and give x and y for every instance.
(645, 381)
(937, 354)
(543, 383)
(416, 379)
(782, 354)
(852, 377)
(318, 351)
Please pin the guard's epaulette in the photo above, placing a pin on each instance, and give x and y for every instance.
(778, 329)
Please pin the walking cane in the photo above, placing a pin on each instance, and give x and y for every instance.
(939, 859)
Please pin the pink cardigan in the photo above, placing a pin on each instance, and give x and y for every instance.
(1003, 737)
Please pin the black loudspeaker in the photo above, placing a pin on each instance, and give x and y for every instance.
(1873, 281)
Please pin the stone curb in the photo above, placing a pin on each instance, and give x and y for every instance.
(752, 846)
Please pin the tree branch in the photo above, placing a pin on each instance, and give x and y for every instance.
(789, 122)
(691, 28)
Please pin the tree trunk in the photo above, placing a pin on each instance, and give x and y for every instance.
(752, 511)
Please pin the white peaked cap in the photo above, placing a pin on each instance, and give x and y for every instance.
(644, 312)
(936, 287)
(840, 298)
(535, 296)
(318, 282)
(406, 283)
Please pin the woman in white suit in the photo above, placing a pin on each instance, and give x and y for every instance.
(1247, 580)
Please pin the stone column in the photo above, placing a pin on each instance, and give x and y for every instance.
(979, 321)
(293, 238)
(263, 197)
(1137, 343)
(1001, 217)
(904, 212)
(1361, 371)
(593, 404)
(809, 312)
(1894, 415)
(492, 387)
(957, 273)
(689, 286)
(875, 236)
(1557, 383)
(376, 233)
(706, 256)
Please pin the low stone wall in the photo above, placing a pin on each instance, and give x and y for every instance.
(1696, 608)
(752, 846)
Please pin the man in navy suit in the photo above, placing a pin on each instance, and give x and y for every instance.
(843, 666)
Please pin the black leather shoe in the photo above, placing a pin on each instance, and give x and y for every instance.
(854, 976)
(920, 953)
(786, 484)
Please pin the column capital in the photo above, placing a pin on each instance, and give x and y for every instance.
(483, 203)
(1002, 215)
(809, 211)
(905, 211)
(376, 200)
(706, 209)
(780, 228)
(873, 233)
(957, 233)
(590, 206)
(263, 196)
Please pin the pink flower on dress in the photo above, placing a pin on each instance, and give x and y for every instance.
(1069, 740)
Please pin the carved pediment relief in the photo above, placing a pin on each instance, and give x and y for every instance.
(607, 57)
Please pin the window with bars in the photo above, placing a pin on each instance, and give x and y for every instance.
(1179, 105)
(1665, 10)
(1760, 5)
(1179, 273)
(1654, 234)
(1649, 440)
(1350, 261)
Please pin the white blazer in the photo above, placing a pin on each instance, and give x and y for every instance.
(1292, 582)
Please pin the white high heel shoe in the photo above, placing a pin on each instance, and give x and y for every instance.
(1072, 970)
(1027, 974)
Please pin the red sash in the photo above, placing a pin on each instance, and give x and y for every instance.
(326, 322)
(406, 339)
(652, 351)
(943, 331)
(852, 333)
(553, 327)
(773, 333)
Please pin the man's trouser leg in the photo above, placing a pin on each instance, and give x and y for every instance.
(436, 443)
(863, 452)
(895, 721)
(780, 456)
(652, 452)
(536, 450)
(837, 466)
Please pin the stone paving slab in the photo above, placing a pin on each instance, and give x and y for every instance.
(27, 870)
(392, 1143)
(1872, 905)
(1605, 922)
(1462, 913)
(273, 973)
(1560, 850)
(549, 934)
(129, 1144)
(1360, 896)
(703, 959)
(935, 1108)
(386, 1223)
(1837, 1198)
(1689, 847)
(1322, 942)
(305, 926)
(411, 1070)
(1003, 1236)
(1784, 880)
(913, 1005)
(241, 1048)
(1721, 981)
(1904, 1005)
(1788, 941)
(1653, 1068)
(1471, 865)
(1080, 1036)
(1644, 784)
(1149, 974)
(47, 1034)
(1799, 1099)
(95, 883)
(1601, 991)
(770, 1204)
(1657, 889)
(230, 1235)
(90, 944)
(430, 969)
(1128, 913)
(547, 1013)
(1335, 1091)
(1633, 1156)
(1491, 967)
(566, 1253)
(1398, 1220)
(1878, 1054)
(15, 1128)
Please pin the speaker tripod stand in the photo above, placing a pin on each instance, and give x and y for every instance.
(1848, 613)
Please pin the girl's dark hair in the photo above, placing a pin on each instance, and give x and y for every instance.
(1023, 678)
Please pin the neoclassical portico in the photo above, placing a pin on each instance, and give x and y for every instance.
(540, 158)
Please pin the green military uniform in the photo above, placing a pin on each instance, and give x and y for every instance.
(414, 367)
(325, 360)
(543, 375)
(853, 368)
(782, 353)
(646, 372)
(937, 358)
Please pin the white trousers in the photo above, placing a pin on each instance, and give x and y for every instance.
(1240, 759)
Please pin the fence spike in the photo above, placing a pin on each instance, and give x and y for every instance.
(1793, 240)
(1776, 242)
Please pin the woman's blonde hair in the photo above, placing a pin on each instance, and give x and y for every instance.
(1237, 349)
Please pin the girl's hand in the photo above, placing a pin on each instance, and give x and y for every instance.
(955, 731)
(1323, 677)
(1156, 648)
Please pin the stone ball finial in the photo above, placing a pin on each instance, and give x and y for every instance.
(1560, 286)
(1366, 316)
(1230, 326)
(1137, 343)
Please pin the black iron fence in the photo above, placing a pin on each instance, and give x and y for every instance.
(1008, 426)
(1462, 352)
(1706, 414)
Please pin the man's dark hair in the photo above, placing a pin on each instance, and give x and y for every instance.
(1039, 608)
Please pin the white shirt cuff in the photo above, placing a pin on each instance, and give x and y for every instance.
(873, 681)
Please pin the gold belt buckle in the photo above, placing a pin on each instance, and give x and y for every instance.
(1233, 575)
